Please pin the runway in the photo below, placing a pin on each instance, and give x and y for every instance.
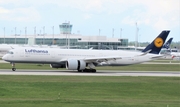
(98, 73)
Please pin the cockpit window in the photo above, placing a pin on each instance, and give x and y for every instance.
(10, 52)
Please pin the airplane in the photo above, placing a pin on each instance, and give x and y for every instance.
(167, 44)
(85, 60)
(166, 49)
(175, 53)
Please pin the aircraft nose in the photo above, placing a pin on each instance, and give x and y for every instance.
(4, 57)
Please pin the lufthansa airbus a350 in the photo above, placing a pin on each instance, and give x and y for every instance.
(85, 60)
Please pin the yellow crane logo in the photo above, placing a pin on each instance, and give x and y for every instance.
(158, 42)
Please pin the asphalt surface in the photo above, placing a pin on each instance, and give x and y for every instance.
(98, 73)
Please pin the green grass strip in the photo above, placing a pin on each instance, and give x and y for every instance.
(85, 91)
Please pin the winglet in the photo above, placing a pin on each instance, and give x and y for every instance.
(157, 43)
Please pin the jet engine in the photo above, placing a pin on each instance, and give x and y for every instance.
(57, 66)
(73, 64)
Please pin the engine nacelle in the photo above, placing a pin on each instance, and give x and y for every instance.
(57, 66)
(73, 64)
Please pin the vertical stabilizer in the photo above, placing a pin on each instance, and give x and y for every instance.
(167, 44)
(157, 43)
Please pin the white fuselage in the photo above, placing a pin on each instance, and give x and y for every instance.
(53, 55)
(175, 54)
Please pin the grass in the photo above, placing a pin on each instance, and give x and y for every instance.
(81, 91)
(166, 61)
(145, 67)
(138, 67)
(25, 66)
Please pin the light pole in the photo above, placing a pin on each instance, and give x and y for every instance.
(4, 35)
(113, 32)
(15, 35)
(120, 33)
(43, 35)
(136, 37)
(139, 40)
(25, 33)
(99, 32)
(35, 31)
(53, 34)
(34, 41)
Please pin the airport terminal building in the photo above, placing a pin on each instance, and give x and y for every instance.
(66, 39)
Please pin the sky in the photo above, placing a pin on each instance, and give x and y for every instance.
(111, 18)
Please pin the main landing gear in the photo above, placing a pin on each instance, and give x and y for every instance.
(87, 70)
(13, 66)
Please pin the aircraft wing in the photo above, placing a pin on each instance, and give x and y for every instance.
(101, 59)
(97, 59)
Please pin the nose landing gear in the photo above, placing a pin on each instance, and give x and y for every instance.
(13, 66)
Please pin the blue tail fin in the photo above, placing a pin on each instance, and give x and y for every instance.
(157, 43)
(167, 44)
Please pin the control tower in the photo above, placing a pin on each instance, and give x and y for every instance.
(65, 28)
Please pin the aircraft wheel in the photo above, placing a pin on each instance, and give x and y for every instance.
(93, 70)
(13, 69)
(85, 70)
(80, 70)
